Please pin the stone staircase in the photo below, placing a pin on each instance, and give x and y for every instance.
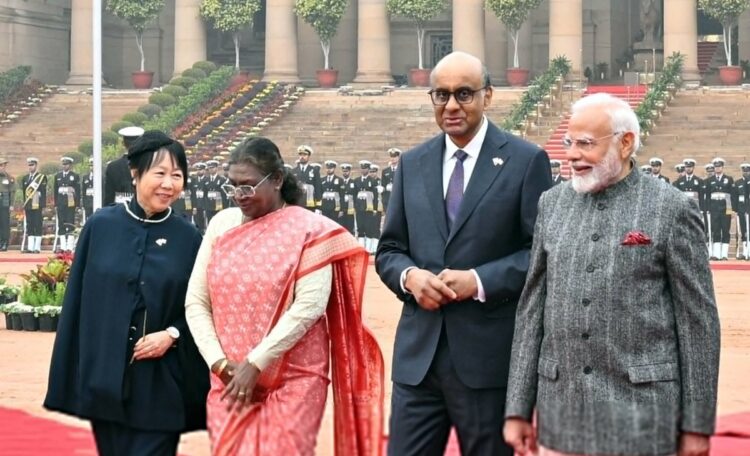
(706, 54)
(702, 125)
(361, 127)
(60, 125)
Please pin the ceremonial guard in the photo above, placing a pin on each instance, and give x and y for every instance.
(720, 187)
(376, 216)
(742, 205)
(6, 204)
(309, 178)
(198, 190)
(656, 164)
(364, 203)
(87, 192)
(690, 184)
(216, 199)
(67, 187)
(185, 203)
(34, 187)
(646, 169)
(680, 170)
(118, 183)
(556, 176)
(386, 177)
(349, 189)
(332, 205)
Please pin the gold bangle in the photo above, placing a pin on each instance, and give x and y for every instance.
(221, 367)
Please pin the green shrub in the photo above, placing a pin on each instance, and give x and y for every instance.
(206, 66)
(86, 147)
(195, 73)
(50, 169)
(162, 99)
(174, 90)
(77, 157)
(151, 110)
(110, 137)
(183, 81)
(120, 124)
(12, 79)
(112, 152)
(135, 118)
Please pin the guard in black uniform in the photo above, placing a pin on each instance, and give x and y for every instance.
(87, 192)
(720, 188)
(118, 183)
(332, 205)
(690, 184)
(742, 205)
(556, 176)
(386, 177)
(364, 203)
(376, 216)
(309, 178)
(216, 199)
(6, 204)
(349, 190)
(67, 188)
(646, 169)
(34, 187)
(680, 170)
(656, 164)
(185, 203)
(199, 193)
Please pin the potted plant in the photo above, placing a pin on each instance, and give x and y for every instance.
(727, 12)
(138, 13)
(231, 16)
(513, 13)
(419, 11)
(324, 17)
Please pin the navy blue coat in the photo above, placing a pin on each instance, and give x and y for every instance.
(492, 234)
(125, 270)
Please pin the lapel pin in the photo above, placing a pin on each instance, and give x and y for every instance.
(497, 161)
(161, 241)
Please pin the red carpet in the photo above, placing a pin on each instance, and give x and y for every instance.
(22, 434)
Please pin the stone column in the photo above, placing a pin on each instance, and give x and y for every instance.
(496, 53)
(566, 32)
(744, 36)
(373, 43)
(281, 42)
(468, 27)
(81, 43)
(681, 35)
(189, 35)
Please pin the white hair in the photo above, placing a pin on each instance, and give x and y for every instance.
(621, 115)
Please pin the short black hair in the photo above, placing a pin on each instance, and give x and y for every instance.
(151, 148)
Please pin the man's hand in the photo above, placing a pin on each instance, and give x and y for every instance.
(429, 291)
(692, 444)
(520, 434)
(463, 283)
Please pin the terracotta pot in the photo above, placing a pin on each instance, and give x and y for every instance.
(419, 77)
(327, 78)
(517, 77)
(730, 75)
(142, 79)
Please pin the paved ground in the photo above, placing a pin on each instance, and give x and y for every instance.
(25, 356)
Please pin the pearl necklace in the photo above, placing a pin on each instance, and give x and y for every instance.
(140, 219)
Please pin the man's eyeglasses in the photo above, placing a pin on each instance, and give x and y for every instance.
(241, 191)
(463, 95)
(585, 144)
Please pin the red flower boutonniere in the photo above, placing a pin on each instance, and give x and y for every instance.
(636, 238)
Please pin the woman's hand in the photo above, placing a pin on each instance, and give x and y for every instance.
(152, 346)
(239, 390)
(224, 369)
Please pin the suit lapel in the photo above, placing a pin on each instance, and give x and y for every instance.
(432, 177)
(485, 172)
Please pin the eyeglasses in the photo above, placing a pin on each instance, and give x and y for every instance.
(241, 191)
(463, 95)
(585, 144)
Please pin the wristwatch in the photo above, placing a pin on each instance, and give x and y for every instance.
(173, 332)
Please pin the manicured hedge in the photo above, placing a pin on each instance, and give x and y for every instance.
(12, 79)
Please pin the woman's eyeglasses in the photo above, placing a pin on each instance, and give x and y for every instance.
(241, 191)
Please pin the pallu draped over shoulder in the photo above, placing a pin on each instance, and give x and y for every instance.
(251, 279)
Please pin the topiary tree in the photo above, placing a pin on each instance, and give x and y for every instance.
(513, 13)
(419, 11)
(231, 16)
(324, 17)
(727, 12)
(137, 13)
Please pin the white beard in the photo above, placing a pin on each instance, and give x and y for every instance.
(601, 175)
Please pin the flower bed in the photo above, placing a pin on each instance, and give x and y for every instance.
(22, 100)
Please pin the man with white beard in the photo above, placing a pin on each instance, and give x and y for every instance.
(616, 342)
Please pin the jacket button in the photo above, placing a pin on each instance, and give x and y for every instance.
(601, 206)
(590, 268)
(587, 370)
(594, 237)
(585, 336)
(140, 251)
(585, 302)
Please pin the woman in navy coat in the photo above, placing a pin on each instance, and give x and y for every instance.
(123, 357)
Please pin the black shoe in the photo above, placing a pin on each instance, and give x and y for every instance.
(713, 258)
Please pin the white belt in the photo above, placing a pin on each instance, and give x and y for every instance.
(64, 190)
(693, 195)
(388, 187)
(214, 195)
(741, 198)
(199, 193)
(364, 195)
(719, 196)
(330, 195)
(89, 192)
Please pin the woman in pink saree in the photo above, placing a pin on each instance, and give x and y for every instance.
(275, 293)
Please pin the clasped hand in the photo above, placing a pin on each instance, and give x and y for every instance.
(433, 291)
(152, 345)
(239, 380)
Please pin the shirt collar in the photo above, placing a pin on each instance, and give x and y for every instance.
(472, 149)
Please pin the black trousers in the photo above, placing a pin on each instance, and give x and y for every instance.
(347, 221)
(66, 219)
(422, 415)
(363, 223)
(720, 223)
(4, 225)
(33, 222)
(114, 439)
(743, 218)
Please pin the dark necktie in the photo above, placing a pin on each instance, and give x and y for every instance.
(455, 192)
